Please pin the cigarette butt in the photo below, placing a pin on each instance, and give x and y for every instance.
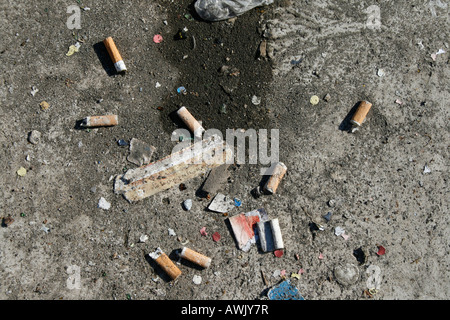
(361, 113)
(195, 257)
(276, 234)
(114, 54)
(275, 179)
(100, 121)
(190, 121)
(165, 263)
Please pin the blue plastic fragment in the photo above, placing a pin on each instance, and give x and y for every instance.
(237, 202)
(122, 143)
(181, 90)
(327, 216)
(285, 291)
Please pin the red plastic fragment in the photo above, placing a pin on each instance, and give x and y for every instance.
(381, 250)
(216, 236)
(278, 253)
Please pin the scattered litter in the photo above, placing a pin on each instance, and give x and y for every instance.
(190, 122)
(296, 62)
(116, 58)
(221, 203)
(295, 275)
(278, 253)
(45, 229)
(143, 238)
(216, 236)
(381, 250)
(374, 280)
(100, 121)
(21, 172)
(277, 172)
(34, 90)
(270, 236)
(44, 105)
(216, 10)
(103, 204)
(381, 72)
(190, 162)
(256, 100)
(171, 232)
(361, 113)
(195, 257)
(122, 143)
(321, 256)
(216, 177)
(434, 55)
(73, 48)
(426, 169)
(276, 273)
(157, 85)
(157, 38)
(338, 231)
(140, 152)
(262, 49)
(327, 216)
(284, 291)
(165, 263)
(34, 137)
(237, 202)
(203, 232)
(346, 274)
(327, 98)
(197, 279)
(398, 101)
(182, 90)
(7, 221)
(242, 226)
(314, 100)
(187, 204)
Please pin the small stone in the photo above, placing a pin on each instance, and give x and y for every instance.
(346, 274)
(7, 221)
(171, 232)
(34, 137)
(426, 170)
(187, 204)
(327, 98)
(256, 100)
(143, 238)
(103, 204)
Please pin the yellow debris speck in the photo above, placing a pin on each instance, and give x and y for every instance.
(314, 100)
(22, 172)
(44, 105)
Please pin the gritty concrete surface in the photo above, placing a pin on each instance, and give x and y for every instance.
(387, 182)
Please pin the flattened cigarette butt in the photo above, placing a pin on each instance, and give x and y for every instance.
(165, 263)
(114, 54)
(278, 173)
(195, 257)
(270, 235)
(190, 121)
(100, 121)
(361, 113)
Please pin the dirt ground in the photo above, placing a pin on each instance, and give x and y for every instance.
(387, 182)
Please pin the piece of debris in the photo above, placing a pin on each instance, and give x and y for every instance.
(34, 90)
(434, 55)
(103, 204)
(398, 101)
(256, 100)
(277, 172)
(21, 172)
(203, 232)
(190, 162)
(270, 236)
(100, 121)
(361, 113)
(143, 238)
(381, 72)
(327, 98)
(157, 38)
(221, 203)
(182, 90)
(327, 217)
(314, 100)
(122, 143)
(346, 274)
(338, 231)
(381, 250)
(171, 232)
(195, 257)
(284, 291)
(262, 50)
(34, 137)
(45, 229)
(187, 204)
(165, 263)
(216, 236)
(113, 52)
(7, 221)
(237, 202)
(426, 170)
(197, 279)
(216, 177)
(242, 226)
(44, 105)
(73, 48)
(190, 122)
(213, 10)
(140, 152)
(278, 253)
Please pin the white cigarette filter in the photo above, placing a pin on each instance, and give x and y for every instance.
(276, 234)
(276, 177)
(195, 257)
(190, 122)
(100, 121)
(114, 54)
(165, 263)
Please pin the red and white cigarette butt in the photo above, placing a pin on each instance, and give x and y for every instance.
(190, 122)
(165, 263)
(114, 54)
(195, 257)
(275, 179)
(361, 113)
(100, 121)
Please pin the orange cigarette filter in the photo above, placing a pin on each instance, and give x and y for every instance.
(114, 54)
(165, 263)
(361, 113)
(100, 121)
(190, 121)
(195, 257)
(275, 179)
